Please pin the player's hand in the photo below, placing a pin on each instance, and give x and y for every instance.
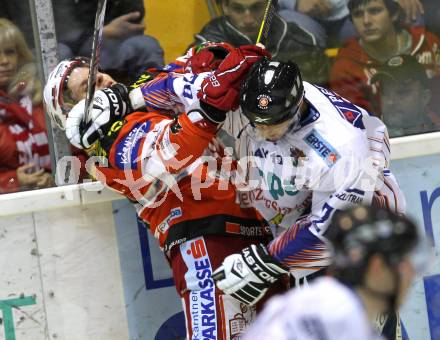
(124, 26)
(204, 61)
(109, 105)
(248, 275)
(221, 90)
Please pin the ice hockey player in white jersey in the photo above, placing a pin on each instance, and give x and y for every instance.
(313, 153)
(376, 254)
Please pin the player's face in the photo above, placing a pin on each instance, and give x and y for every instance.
(8, 63)
(372, 21)
(77, 83)
(273, 132)
(245, 15)
(402, 103)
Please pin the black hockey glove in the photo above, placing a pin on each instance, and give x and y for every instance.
(109, 105)
(248, 275)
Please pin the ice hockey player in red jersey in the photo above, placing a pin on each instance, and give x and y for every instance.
(160, 162)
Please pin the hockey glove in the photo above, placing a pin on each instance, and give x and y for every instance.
(221, 89)
(204, 61)
(109, 105)
(248, 275)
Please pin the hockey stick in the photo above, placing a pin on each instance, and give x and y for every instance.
(94, 60)
(269, 13)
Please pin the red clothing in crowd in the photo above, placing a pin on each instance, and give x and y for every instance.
(23, 140)
(353, 68)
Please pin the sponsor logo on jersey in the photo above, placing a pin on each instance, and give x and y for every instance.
(127, 149)
(323, 148)
(165, 224)
(202, 289)
(351, 195)
(255, 230)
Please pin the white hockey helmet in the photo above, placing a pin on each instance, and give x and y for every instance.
(56, 100)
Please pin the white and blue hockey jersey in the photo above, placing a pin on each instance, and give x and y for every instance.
(335, 156)
(314, 313)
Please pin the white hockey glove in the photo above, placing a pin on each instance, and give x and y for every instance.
(109, 105)
(248, 275)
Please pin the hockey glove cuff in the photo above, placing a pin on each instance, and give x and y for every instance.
(248, 275)
(109, 105)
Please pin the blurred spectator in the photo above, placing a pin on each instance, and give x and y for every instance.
(24, 150)
(328, 20)
(380, 25)
(125, 49)
(19, 13)
(240, 23)
(405, 96)
(432, 15)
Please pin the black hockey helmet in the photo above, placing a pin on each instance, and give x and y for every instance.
(272, 92)
(358, 233)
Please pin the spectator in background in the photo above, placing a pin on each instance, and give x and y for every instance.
(24, 150)
(329, 20)
(240, 23)
(382, 34)
(432, 15)
(125, 49)
(405, 96)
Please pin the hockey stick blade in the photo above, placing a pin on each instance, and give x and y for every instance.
(269, 13)
(94, 60)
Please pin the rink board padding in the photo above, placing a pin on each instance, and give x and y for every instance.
(60, 275)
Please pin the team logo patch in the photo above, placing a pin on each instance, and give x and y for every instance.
(352, 114)
(128, 147)
(323, 148)
(263, 101)
(165, 224)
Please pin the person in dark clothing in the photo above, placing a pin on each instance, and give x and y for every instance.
(125, 49)
(240, 23)
(409, 103)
